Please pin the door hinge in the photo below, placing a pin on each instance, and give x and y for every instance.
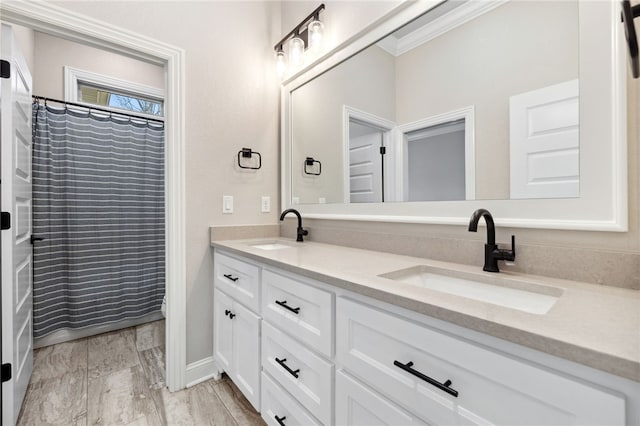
(5, 69)
(5, 220)
(6, 372)
(383, 150)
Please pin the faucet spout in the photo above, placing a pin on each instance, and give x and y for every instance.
(300, 230)
(491, 251)
(491, 229)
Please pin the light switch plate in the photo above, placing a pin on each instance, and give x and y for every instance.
(227, 204)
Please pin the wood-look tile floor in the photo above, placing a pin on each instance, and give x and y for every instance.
(117, 378)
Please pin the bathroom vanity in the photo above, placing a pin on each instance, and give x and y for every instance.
(320, 334)
(337, 335)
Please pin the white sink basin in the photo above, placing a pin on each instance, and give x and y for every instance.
(515, 294)
(270, 246)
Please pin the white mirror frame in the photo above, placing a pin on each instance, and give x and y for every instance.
(602, 205)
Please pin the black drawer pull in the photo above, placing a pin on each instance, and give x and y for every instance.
(227, 312)
(231, 315)
(442, 386)
(284, 305)
(294, 373)
(281, 420)
(231, 277)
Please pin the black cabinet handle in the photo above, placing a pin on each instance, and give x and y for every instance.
(281, 420)
(227, 312)
(294, 373)
(231, 315)
(231, 277)
(442, 386)
(284, 305)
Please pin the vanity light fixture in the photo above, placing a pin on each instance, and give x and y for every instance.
(306, 35)
(296, 51)
(281, 61)
(316, 31)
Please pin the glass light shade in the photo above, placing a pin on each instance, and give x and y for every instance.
(296, 52)
(316, 30)
(281, 63)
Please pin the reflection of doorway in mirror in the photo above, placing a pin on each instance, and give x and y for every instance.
(436, 157)
(434, 163)
(368, 152)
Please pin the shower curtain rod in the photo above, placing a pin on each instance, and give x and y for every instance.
(140, 117)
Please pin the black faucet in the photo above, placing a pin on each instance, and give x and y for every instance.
(301, 231)
(491, 251)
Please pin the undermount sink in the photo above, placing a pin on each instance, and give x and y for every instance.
(499, 290)
(270, 246)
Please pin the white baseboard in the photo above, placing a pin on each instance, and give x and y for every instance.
(199, 371)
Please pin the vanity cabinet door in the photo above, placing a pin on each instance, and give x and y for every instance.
(246, 353)
(238, 279)
(448, 380)
(357, 405)
(222, 330)
(236, 345)
(300, 310)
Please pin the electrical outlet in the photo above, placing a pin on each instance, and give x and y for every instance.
(227, 204)
(266, 204)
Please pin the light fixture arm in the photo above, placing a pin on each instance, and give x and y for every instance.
(296, 31)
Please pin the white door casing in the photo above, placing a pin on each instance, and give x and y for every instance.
(545, 143)
(17, 280)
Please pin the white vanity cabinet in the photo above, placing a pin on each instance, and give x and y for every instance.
(447, 380)
(236, 345)
(298, 340)
(237, 322)
(314, 354)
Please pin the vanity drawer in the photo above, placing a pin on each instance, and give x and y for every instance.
(240, 280)
(284, 359)
(302, 311)
(356, 404)
(399, 358)
(277, 403)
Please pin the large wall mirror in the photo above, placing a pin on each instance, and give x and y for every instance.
(516, 106)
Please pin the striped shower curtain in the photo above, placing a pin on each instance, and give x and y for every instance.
(98, 202)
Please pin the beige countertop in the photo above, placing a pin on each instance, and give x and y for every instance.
(594, 325)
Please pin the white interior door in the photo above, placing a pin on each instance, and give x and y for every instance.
(17, 333)
(544, 142)
(365, 164)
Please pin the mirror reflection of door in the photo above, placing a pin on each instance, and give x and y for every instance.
(435, 163)
(366, 168)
